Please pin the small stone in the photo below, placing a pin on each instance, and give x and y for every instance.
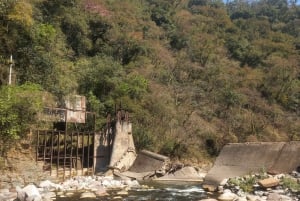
(270, 182)
(69, 194)
(49, 195)
(208, 199)
(273, 197)
(101, 192)
(117, 198)
(242, 199)
(252, 197)
(210, 188)
(285, 198)
(279, 176)
(259, 193)
(223, 182)
(122, 193)
(87, 195)
(227, 196)
(279, 191)
(220, 189)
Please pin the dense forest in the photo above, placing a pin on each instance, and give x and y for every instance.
(194, 74)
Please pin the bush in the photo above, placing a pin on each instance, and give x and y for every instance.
(291, 184)
(18, 109)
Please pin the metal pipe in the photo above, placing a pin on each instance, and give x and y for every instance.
(82, 136)
(65, 147)
(37, 145)
(58, 152)
(65, 152)
(51, 154)
(77, 153)
(71, 155)
(44, 157)
(88, 143)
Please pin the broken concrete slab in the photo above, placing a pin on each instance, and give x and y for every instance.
(148, 161)
(238, 159)
(188, 173)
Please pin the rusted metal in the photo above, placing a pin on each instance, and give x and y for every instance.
(77, 153)
(65, 152)
(67, 147)
(58, 151)
(37, 145)
(82, 156)
(88, 158)
(44, 147)
(71, 155)
(51, 153)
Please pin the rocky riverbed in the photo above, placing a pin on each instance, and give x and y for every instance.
(88, 187)
(255, 187)
(260, 187)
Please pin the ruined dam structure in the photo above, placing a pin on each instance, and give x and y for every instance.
(238, 159)
(68, 152)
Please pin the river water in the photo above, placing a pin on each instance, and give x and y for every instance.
(157, 191)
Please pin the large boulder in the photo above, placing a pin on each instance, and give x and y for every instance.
(269, 182)
(28, 193)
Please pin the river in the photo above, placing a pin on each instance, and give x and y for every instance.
(157, 191)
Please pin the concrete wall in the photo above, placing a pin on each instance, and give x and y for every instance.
(238, 159)
(101, 151)
(147, 161)
(123, 149)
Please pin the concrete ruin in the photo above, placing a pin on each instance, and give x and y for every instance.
(123, 152)
(238, 159)
(116, 151)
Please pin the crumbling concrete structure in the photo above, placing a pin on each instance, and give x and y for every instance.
(239, 159)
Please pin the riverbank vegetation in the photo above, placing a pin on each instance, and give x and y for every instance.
(194, 74)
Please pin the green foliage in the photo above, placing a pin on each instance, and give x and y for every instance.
(142, 138)
(197, 73)
(173, 148)
(134, 86)
(246, 184)
(45, 35)
(290, 183)
(18, 109)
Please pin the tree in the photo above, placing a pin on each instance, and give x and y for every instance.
(19, 107)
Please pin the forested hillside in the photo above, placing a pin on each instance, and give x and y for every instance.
(194, 74)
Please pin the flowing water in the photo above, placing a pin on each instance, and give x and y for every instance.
(158, 191)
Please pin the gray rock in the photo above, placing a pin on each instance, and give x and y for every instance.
(273, 197)
(259, 193)
(87, 195)
(285, 198)
(242, 199)
(223, 182)
(227, 196)
(48, 185)
(253, 198)
(28, 193)
(49, 195)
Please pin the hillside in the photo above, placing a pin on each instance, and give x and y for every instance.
(194, 74)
